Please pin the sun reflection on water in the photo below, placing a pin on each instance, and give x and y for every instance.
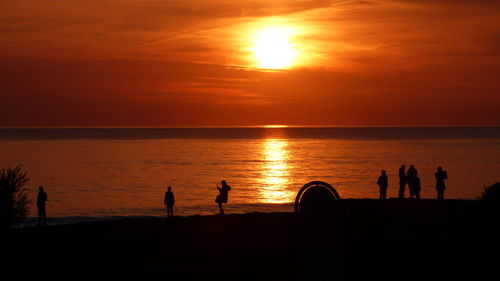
(275, 172)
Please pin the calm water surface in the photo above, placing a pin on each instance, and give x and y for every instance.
(113, 172)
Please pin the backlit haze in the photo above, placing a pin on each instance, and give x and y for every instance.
(220, 63)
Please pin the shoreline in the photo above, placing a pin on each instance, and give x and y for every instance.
(63, 220)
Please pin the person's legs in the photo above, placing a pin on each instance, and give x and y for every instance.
(39, 216)
(44, 216)
(440, 194)
(401, 191)
(221, 210)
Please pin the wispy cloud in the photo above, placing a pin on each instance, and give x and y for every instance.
(367, 62)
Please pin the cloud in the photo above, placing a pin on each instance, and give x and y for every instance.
(130, 92)
(337, 34)
(187, 62)
(103, 29)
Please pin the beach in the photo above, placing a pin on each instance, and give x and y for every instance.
(365, 240)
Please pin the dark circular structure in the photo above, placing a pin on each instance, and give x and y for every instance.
(316, 198)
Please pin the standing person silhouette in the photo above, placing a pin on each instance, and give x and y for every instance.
(41, 199)
(402, 182)
(223, 195)
(440, 186)
(383, 183)
(417, 187)
(169, 201)
(411, 178)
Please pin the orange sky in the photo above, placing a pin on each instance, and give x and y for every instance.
(161, 63)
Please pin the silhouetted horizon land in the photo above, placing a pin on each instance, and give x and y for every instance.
(448, 240)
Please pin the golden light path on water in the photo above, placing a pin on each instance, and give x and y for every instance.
(275, 172)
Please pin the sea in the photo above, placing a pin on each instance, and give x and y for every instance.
(101, 173)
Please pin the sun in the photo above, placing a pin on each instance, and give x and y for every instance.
(273, 49)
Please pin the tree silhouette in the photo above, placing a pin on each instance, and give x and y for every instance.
(14, 199)
(491, 193)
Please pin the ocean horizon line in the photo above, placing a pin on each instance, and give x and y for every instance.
(254, 132)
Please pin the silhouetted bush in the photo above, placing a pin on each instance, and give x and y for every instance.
(14, 200)
(491, 194)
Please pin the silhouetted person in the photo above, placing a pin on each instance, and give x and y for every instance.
(223, 195)
(411, 179)
(416, 187)
(412, 172)
(383, 183)
(402, 182)
(40, 204)
(440, 186)
(169, 201)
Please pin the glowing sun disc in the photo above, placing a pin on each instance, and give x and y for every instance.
(272, 48)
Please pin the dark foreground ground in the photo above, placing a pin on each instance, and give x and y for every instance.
(369, 240)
